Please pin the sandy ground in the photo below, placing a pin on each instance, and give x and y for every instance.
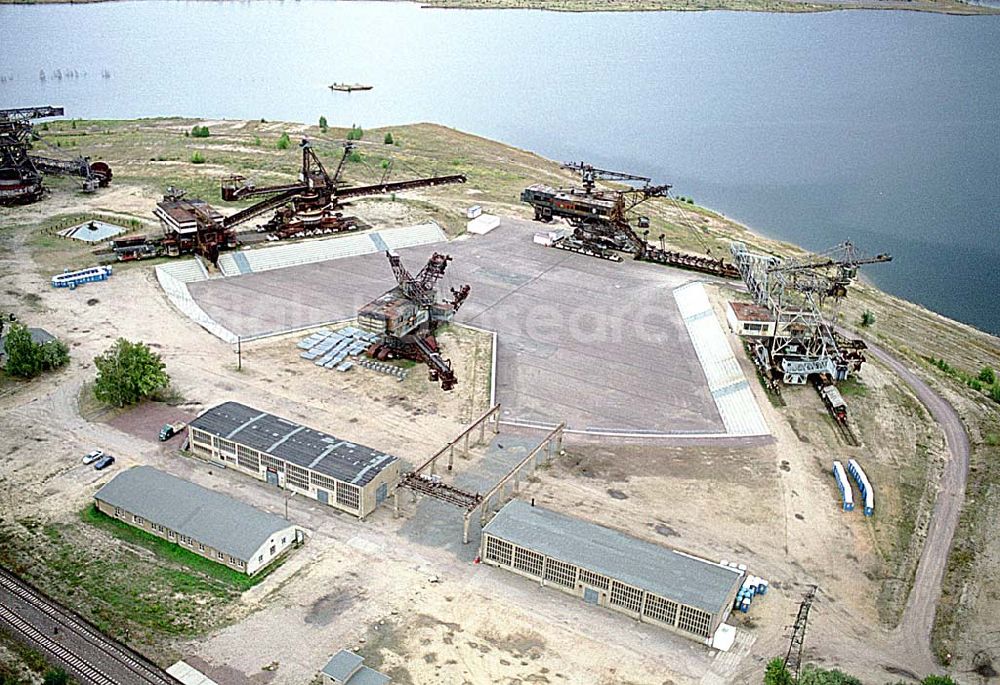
(423, 611)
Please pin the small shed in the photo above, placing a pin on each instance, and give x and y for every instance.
(39, 336)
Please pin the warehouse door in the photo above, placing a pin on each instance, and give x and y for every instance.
(381, 493)
(590, 595)
(323, 496)
(272, 477)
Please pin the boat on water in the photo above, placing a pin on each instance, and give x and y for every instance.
(350, 87)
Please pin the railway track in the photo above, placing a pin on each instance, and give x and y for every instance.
(116, 657)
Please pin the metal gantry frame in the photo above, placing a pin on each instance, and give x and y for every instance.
(422, 480)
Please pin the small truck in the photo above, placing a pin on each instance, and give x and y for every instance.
(169, 430)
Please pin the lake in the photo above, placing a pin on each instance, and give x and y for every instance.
(881, 127)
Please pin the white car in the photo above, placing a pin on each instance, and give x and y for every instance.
(91, 457)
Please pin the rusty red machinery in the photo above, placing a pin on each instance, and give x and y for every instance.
(21, 172)
(601, 224)
(313, 205)
(406, 318)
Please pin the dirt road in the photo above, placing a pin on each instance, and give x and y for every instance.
(914, 630)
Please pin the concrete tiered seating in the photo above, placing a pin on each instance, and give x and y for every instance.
(729, 387)
(308, 252)
(408, 236)
(186, 270)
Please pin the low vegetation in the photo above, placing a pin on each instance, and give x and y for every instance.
(128, 372)
(985, 381)
(27, 359)
(777, 674)
(200, 132)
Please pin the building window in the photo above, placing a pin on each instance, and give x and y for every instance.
(694, 621)
(283, 540)
(119, 512)
(260, 557)
(625, 596)
(170, 534)
(593, 579)
(660, 609)
(298, 477)
(347, 496)
(499, 551)
(247, 458)
(560, 573)
(528, 561)
(201, 547)
(221, 555)
(137, 519)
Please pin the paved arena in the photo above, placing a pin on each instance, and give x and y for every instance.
(598, 344)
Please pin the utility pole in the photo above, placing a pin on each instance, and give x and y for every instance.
(239, 355)
(793, 660)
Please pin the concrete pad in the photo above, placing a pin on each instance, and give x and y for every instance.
(598, 344)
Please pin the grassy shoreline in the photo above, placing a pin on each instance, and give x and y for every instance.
(953, 7)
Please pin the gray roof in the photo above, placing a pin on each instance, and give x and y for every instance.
(291, 442)
(208, 517)
(346, 667)
(39, 336)
(665, 572)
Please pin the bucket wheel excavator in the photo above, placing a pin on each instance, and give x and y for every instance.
(406, 318)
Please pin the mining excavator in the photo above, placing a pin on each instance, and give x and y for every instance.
(406, 318)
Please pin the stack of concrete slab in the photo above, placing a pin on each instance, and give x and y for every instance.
(335, 349)
(383, 367)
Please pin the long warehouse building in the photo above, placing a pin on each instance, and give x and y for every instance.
(200, 520)
(650, 583)
(335, 472)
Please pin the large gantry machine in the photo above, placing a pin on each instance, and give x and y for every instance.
(601, 224)
(802, 343)
(313, 204)
(21, 172)
(406, 318)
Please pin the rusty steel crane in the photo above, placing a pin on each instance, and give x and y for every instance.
(313, 204)
(406, 318)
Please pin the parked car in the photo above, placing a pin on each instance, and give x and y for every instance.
(104, 462)
(91, 457)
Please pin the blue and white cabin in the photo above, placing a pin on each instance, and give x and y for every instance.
(845, 485)
(867, 493)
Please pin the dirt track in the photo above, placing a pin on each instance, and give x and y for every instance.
(914, 631)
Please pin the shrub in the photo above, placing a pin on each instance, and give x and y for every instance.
(256, 141)
(128, 372)
(987, 375)
(777, 674)
(995, 393)
(388, 139)
(867, 318)
(322, 124)
(197, 157)
(26, 358)
(355, 157)
(200, 132)
(284, 142)
(56, 676)
(356, 133)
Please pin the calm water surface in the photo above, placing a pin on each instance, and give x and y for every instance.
(883, 127)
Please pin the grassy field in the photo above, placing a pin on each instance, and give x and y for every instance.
(127, 586)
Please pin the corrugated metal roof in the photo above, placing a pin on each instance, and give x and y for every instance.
(294, 443)
(208, 517)
(665, 572)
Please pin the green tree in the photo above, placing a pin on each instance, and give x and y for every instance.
(322, 124)
(867, 318)
(22, 355)
(284, 142)
(777, 674)
(388, 138)
(197, 157)
(128, 372)
(356, 133)
(200, 132)
(56, 676)
(818, 676)
(987, 375)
